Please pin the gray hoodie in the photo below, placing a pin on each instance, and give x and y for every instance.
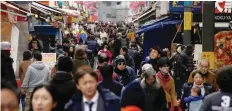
(36, 74)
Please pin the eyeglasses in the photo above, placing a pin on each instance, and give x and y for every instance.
(121, 63)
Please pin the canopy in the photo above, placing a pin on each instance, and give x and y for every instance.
(159, 24)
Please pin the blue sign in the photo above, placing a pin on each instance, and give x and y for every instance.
(178, 6)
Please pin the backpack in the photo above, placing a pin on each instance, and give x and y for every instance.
(124, 42)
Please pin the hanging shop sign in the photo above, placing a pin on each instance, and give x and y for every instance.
(223, 11)
(178, 6)
(223, 17)
(223, 7)
(187, 20)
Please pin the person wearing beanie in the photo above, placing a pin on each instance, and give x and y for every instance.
(154, 55)
(108, 82)
(132, 98)
(125, 74)
(64, 82)
(220, 100)
(155, 99)
(167, 82)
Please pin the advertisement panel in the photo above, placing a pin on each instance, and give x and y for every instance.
(178, 6)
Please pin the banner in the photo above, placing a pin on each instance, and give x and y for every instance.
(49, 59)
(178, 6)
(187, 20)
(223, 48)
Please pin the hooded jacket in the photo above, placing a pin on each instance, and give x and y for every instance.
(124, 76)
(36, 74)
(66, 88)
(155, 99)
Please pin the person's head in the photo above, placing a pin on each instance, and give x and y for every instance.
(179, 48)
(9, 97)
(123, 51)
(166, 52)
(204, 66)
(27, 55)
(80, 54)
(163, 65)
(189, 50)
(133, 95)
(5, 49)
(195, 91)
(133, 45)
(197, 78)
(65, 64)
(44, 98)
(149, 74)
(37, 56)
(224, 79)
(105, 46)
(120, 62)
(107, 71)
(86, 81)
(154, 52)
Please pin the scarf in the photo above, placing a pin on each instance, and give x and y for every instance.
(163, 78)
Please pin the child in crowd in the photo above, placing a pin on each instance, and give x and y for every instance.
(194, 101)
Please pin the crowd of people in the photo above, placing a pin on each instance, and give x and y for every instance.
(121, 80)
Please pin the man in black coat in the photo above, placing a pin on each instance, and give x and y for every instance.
(64, 82)
(108, 82)
(7, 71)
(155, 99)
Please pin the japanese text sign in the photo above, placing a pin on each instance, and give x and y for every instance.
(178, 6)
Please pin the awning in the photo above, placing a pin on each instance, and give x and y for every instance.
(148, 12)
(45, 7)
(17, 11)
(159, 24)
(153, 22)
(70, 12)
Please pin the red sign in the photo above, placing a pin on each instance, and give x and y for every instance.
(223, 7)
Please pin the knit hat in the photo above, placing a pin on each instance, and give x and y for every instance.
(120, 59)
(147, 69)
(65, 64)
(133, 95)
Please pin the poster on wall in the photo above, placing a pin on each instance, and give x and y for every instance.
(49, 59)
(223, 48)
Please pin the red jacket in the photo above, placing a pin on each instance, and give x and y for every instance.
(109, 55)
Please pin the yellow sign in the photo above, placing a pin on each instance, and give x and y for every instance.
(211, 57)
(187, 20)
(49, 59)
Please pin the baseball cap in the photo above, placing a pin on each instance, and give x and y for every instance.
(6, 46)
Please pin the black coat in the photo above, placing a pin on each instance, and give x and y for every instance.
(66, 88)
(112, 85)
(155, 99)
(7, 71)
